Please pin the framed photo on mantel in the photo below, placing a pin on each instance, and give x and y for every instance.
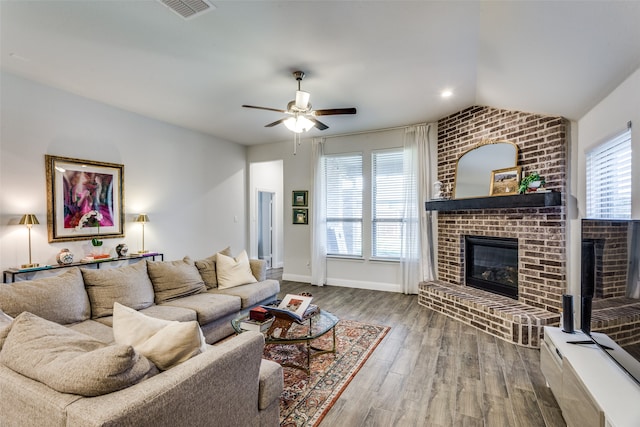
(505, 182)
(84, 199)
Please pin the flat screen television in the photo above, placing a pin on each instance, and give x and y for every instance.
(610, 288)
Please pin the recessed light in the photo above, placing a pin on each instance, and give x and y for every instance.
(446, 93)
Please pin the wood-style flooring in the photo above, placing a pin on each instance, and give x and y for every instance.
(431, 370)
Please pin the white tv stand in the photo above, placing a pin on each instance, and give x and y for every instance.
(591, 389)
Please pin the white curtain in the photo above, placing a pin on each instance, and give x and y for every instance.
(318, 216)
(633, 287)
(417, 246)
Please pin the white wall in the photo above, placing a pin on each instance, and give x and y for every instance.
(604, 121)
(191, 185)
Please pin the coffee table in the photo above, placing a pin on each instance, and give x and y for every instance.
(286, 331)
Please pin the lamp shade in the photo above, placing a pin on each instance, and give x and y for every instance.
(28, 220)
(298, 124)
(142, 218)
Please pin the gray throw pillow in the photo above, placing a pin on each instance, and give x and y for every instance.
(207, 268)
(69, 361)
(61, 299)
(5, 326)
(128, 285)
(175, 279)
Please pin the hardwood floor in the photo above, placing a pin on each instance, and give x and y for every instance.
(433, 371)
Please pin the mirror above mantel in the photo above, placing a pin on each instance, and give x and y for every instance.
(474, 167)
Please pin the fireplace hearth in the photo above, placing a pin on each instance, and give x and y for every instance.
(491, 264)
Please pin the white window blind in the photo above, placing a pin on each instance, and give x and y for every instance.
(609, 179)
(387, 203)
(344, 204)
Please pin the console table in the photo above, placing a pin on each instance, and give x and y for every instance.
(9, 275)
(591, 389)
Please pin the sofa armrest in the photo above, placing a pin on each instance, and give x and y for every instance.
(271, 383)
(258, 269)
(219, 386)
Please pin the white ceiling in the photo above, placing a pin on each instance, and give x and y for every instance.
(390, 59)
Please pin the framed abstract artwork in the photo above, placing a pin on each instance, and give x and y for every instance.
(84, 199)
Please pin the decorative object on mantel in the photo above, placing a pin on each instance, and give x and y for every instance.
(29, 220)
(504, 182)
(531, 183)
(77, 188)
(143, 219)
(437, 190)
(64, 257)
(122, 250)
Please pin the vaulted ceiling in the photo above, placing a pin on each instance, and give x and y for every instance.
(390, 59)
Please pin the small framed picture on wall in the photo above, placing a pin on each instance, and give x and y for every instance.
(505, 182)
(300, 197)
(301, 216)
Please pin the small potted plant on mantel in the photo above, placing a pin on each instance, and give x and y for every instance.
(531, 183)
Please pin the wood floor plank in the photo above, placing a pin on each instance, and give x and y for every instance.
(431, 370)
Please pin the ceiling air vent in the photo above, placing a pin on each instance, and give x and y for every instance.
(188, 8)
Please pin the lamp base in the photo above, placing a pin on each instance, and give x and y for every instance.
(144, 251)
(30, 265)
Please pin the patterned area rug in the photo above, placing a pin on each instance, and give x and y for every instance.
(307, 398)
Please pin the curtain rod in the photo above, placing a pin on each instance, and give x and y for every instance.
(370, 131)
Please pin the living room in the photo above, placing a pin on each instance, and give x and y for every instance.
(199, 188)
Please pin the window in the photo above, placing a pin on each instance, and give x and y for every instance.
(344, 204)
(387, 203)
(609, 179)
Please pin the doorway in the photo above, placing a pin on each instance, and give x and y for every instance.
(265, 226)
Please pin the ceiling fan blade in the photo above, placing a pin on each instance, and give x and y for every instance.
(318, 123)
(277, 122)
(264, 108)
(335, 111)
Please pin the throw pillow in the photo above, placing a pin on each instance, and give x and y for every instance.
(61, 299)
(175, 279)
(207, 268)
(128, 285)
(234, 271)
(69, 361)
(165, 342)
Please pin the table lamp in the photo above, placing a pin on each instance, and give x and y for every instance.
(29, 220)
(142, 218)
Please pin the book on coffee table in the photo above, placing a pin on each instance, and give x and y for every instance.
(256, 325)
(297, 307)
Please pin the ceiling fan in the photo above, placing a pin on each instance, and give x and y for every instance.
(300, 116)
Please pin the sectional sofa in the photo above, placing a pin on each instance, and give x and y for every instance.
(62, 363)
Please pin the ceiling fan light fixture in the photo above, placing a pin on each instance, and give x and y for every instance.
(298, 124)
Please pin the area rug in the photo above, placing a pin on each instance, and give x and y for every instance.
(308, 397)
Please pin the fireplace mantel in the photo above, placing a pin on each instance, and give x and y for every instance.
(531, 200)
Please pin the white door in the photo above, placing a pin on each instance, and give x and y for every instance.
(265, 226)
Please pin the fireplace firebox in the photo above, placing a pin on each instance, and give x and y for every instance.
(491, 264)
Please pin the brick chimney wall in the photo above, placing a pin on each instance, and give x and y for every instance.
(541, 232)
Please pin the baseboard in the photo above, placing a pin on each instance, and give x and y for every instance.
(372, 286)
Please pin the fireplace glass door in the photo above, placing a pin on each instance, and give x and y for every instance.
(491, 264)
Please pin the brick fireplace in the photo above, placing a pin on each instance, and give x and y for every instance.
(540, 232)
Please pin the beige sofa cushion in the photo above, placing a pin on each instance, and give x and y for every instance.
(5, 326)
(207, 268)
(68, 361)
(174, 279)
(234, 271)
(61, 299)
(166, 343)
(128, 285)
